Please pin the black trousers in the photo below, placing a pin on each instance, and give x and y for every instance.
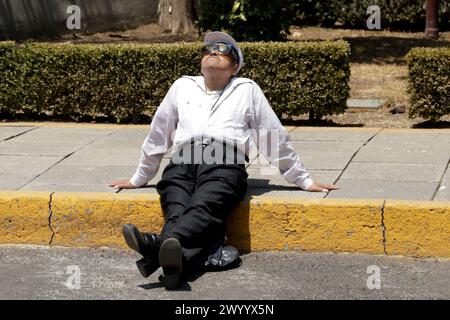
(196, 200)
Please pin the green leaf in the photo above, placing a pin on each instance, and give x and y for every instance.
(236, 6)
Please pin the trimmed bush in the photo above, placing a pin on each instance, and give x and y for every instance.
(73, 81)
(395, 14)
(301, 77)
(129, 80)
(247, 20)
(429, 82)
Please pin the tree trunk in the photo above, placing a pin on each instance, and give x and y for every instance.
(176, 16)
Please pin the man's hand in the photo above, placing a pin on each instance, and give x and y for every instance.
(322, 187)
(122, 184)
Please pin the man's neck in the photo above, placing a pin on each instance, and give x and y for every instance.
(214, 84)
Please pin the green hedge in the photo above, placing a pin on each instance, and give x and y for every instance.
(395, 14)
(429, 82)
(126, 81)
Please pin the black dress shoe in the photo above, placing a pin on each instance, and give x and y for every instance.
(171, 260)
(144, 243)
(147, 244)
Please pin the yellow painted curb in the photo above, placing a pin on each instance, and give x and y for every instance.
(418, 229)
(24, 217)
(311, 225)
(410, 228)
(96, 219)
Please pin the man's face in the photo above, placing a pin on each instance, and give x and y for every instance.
(215, 62)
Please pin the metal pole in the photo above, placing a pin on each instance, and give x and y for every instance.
(432, 11)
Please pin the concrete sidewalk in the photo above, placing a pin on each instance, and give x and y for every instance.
(394, 196)
(367, 163)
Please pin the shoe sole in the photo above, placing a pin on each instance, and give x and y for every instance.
(131, 234)
(171, 261)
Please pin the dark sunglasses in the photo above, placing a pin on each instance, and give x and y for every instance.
(221, 48)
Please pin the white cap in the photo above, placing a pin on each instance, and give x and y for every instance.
(217, 36)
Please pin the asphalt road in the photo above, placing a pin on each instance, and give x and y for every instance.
(39, 272)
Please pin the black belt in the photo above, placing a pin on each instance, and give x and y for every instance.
(206, 141)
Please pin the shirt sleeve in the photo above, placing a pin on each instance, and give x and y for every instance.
(159, 139)
(272, 140)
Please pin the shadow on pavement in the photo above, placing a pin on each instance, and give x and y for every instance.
(190, 274)
(433, 125)
(257, 187)
(184, 286)
(317, 123)
(387, 50)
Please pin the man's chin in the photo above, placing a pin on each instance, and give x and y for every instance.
(211, 63)
(213, 69)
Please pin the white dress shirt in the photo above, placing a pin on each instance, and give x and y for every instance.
(240, 113)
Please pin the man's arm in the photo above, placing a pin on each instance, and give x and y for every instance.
(156, 144)
(272, 141)
(158, 141)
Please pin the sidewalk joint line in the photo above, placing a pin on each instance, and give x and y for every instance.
(19, 134)
(59, 161)
(50, 210)
(441, 180)
(351, 158)
(253, 160)
(46, 170)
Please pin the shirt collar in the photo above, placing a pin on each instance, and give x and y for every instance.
(235, 81)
